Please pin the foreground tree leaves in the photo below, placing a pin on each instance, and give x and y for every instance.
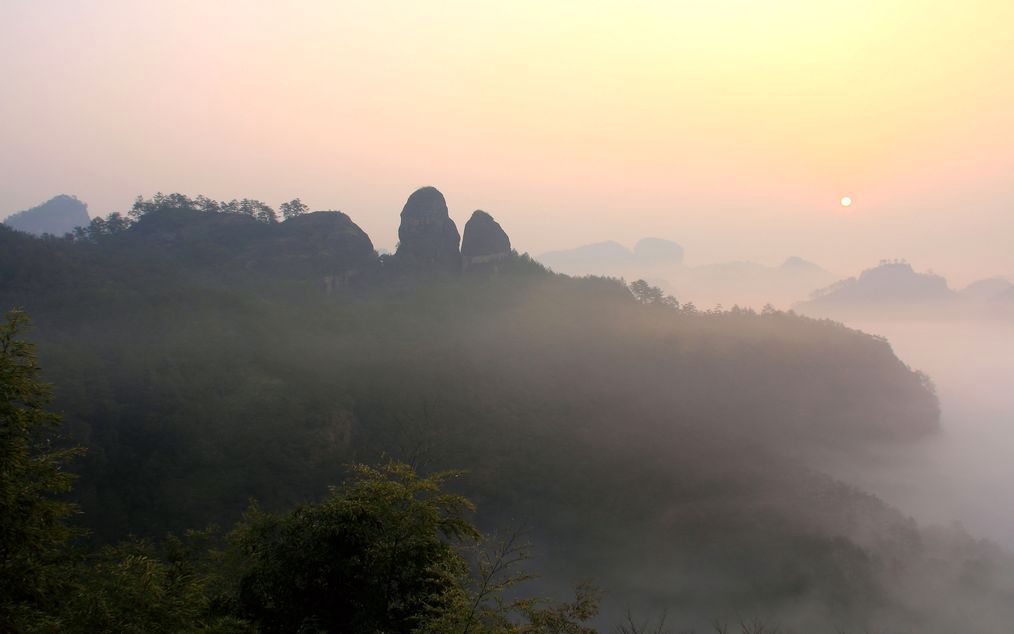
(33, 521)
(383, 552)
(378, 554)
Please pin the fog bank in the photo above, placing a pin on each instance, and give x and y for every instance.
(964, 474)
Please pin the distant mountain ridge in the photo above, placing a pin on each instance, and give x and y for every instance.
(888, 281)
(799, 264)
(599, 257)
(57, 216)
(989, 289)
(894, 287)
(661, 262)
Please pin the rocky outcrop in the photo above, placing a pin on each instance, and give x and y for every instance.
(326, 247)
(57, 216)
(323, 245)
(427, 237)
(485, 243)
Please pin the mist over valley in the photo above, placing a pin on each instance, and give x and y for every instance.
(506, 318)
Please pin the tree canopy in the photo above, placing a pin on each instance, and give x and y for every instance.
(33, 521)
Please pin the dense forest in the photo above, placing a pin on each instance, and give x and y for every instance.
(657, 457)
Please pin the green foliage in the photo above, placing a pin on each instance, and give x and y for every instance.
(293, 208)
(387, 552)
(650, 295)
(376, 555)
(493, 603)
(116, 223)
(182, 202)
(135, 587)
(33, 526)
(561, 618)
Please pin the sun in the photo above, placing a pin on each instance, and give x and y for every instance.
(846, 201)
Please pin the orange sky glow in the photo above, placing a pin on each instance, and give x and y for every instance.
(732, 126)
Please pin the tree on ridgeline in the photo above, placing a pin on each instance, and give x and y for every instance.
(650, 295)
(247, 206)
(293, 208)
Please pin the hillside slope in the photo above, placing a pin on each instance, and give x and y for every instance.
(661, 452)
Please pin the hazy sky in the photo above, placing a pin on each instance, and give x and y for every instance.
(731, 126)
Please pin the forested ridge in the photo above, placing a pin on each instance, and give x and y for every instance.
(206, 354)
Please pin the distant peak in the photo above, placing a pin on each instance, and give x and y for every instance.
(658, 249)
(797, 263)
(58, 215)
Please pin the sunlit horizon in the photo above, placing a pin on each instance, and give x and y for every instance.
(640, 317)
(734, 128)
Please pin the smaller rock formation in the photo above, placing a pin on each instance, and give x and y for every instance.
(427, 237)
(326, 245)
(57, 216)
(485, 243)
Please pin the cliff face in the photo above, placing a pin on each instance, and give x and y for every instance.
(485, 242)
(57, 216)
(427, 237)
(326, 245)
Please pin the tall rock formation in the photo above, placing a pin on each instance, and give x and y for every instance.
(485, 243)
(427, 237)
(58, 215)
